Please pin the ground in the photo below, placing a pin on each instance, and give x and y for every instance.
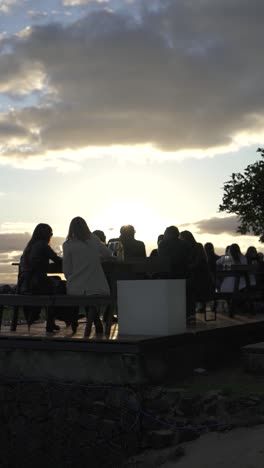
(241, 447)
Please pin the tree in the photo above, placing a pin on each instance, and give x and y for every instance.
(244, 196)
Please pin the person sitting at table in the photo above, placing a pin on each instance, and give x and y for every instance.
(83, 253)
(201, 280)
(178, 252)
(101, 235)
(212, 258)
(32, 275)
(154, 252)
(236, 258)
(132, 248)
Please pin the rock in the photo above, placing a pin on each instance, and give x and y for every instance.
(161, 405)
(177, 453)
(188, 433)
(161, 439)
(190, 406)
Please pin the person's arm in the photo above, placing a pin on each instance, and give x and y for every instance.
(53, 256)
(67, 260)
(105, 253)
(220, 260)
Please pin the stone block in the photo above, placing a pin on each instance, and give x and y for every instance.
(253, 358)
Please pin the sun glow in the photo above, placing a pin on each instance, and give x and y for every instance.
(146, 221)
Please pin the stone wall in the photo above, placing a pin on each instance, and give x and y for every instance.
(65, 424)
(46, 424)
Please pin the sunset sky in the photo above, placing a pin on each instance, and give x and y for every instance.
(126, 111)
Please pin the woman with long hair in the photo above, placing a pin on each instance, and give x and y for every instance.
(201, 281)
(32, 276)
(83, 253)
(236, 258)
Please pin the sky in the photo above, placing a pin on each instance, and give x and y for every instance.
(126, 112)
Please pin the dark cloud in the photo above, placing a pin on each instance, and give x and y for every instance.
(11, 248)
(16, 242)
(187, 75)
(10, 242)
(218, 225)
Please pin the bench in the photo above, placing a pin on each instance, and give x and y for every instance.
(90, 303)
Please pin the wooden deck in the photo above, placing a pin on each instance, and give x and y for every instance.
(123, 359)
(37, 330)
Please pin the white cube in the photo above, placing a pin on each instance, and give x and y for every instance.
(151, 307)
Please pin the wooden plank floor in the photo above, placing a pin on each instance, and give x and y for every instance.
(65, 333)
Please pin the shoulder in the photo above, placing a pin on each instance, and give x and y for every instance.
(139, 242)
(40, 246)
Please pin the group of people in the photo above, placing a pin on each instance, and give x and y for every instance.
(84, 251)
(81, 264)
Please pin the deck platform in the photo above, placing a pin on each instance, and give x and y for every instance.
(123, 359)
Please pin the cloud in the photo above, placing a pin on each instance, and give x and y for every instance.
(17, 241)
(10, 242)
(217, 225)
(82, 2)
(184, 77)
(37, 14)
(6, 5)
(12, 245)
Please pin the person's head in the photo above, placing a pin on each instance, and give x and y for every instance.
(209, 248)
(42, 232)
(100, 235)
(251, 252)
(78, 229)
(234, 251)
(127, 232)
(227, 250)
(171, 232)
(160, 238)
(188, 236)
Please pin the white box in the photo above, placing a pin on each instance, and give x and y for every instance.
(151, 307)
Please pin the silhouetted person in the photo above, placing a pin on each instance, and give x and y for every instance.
(211, 259)
(177, 250)
(252, 255)
(236, 258)
(132, 248)
(83, 254)
(154, 252)
(34, 265)
(201, 282)
(100, 235)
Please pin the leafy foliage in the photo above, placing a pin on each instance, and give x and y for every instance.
(244, 196)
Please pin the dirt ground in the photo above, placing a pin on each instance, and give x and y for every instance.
(239, 448)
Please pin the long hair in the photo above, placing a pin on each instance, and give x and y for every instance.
(188, 236)
(235, 252)
(78, 229)
(171, 232)
(42, 232)
(252, 254)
